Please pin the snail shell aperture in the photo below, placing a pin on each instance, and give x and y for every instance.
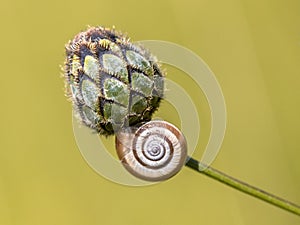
(155, 151)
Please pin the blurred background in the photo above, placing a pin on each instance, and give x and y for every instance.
(252, 46)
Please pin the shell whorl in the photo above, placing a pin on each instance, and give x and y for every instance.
(155, 151)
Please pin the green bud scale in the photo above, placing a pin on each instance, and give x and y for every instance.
(111, 82)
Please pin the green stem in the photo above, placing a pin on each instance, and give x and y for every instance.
(244, 187)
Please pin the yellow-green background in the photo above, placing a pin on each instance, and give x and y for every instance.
(253, 47)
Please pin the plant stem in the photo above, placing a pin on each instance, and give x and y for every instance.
(244, 187)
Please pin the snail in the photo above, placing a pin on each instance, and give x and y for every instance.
(115, 87)
(155, 151)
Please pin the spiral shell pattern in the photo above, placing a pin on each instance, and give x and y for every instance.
(155, 151)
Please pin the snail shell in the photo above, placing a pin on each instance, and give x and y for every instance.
(155, 151)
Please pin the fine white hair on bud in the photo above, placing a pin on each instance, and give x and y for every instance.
(111, 82)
